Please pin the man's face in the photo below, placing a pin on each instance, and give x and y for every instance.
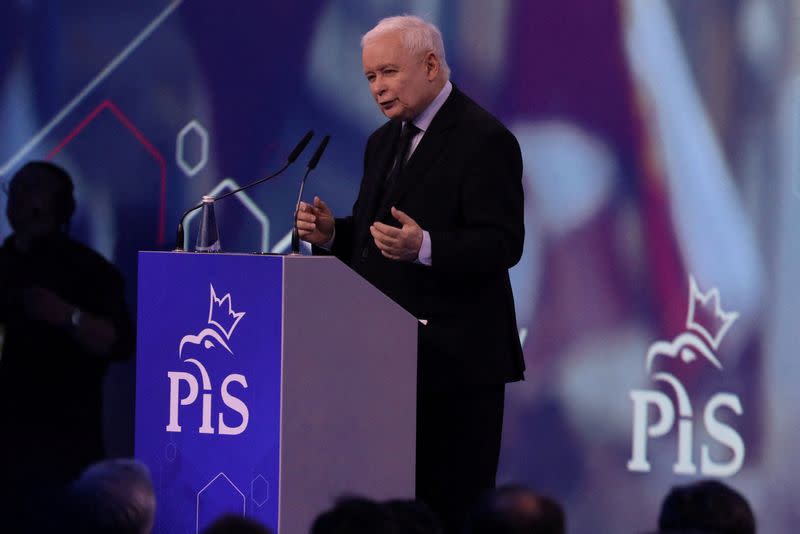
(400, 82)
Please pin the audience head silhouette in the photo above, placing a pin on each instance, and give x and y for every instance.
(355, 515)
(114, 496)
(40, 200)
(708, 506)
(413, 517)
(517, 510)
(234, 524)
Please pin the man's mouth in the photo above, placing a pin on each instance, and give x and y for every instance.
(388, 103)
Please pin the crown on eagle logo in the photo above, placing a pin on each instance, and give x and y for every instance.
(221, 314)
(716, 326)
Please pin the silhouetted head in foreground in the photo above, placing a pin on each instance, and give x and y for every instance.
(517, 510)
(234, 524)
(708, 507)
(113, 496)
(413, 517)
(355, 515)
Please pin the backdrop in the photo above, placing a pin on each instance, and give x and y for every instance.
(658, 293)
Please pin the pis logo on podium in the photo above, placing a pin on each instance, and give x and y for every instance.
(699, 342)
(222, 321)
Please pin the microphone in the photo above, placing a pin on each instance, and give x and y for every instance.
(300, 146)
(312, 164)
(292, 157)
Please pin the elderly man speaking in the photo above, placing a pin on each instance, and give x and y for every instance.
(437, 224)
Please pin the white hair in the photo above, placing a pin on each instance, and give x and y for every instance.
(419, 36)
(114, 496)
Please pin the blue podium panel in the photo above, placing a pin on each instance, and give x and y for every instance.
(208, 385)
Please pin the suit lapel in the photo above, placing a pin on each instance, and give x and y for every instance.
(432, 143)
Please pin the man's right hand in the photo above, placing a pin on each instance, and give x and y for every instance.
(315, 222)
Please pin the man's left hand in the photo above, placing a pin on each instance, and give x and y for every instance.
(400, 244)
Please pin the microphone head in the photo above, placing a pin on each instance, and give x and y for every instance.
(300, 146)
(318, 154)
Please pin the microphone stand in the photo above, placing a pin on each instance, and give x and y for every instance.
(312, 164)
(295, 234)
(292, 157)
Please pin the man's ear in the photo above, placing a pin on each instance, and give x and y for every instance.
(432, 66)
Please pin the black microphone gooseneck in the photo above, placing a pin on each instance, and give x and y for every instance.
(312, 163)
(292, 157)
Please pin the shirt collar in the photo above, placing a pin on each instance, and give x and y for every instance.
(423, 120)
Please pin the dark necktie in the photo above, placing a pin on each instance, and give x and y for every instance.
(408, 133)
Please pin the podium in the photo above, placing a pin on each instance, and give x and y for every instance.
(267, 386)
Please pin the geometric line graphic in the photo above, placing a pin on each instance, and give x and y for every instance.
(259, 490)
(284, 243)
(171, 452)
(101, 76)
(180, 157)
(148, 146)
(199, 493)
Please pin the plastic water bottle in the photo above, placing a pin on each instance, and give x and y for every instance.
(207, 236)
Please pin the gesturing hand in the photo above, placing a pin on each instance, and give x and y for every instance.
(315, 222)
(400, 244)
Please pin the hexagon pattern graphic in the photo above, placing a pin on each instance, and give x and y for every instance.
(171, 452)
(218, 497)
(259, 490)
(195, 132)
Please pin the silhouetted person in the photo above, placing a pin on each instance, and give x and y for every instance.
(112, 497)
(234, 524)
(517, 510)
(64, 318)
(355, 515)
(707, 507)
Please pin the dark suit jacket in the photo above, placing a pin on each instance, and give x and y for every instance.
(463, 184)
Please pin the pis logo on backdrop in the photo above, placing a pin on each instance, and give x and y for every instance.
(215, 336)
(698, 342)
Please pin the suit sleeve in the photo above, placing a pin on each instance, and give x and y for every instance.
(491, 231)
(343, 239)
